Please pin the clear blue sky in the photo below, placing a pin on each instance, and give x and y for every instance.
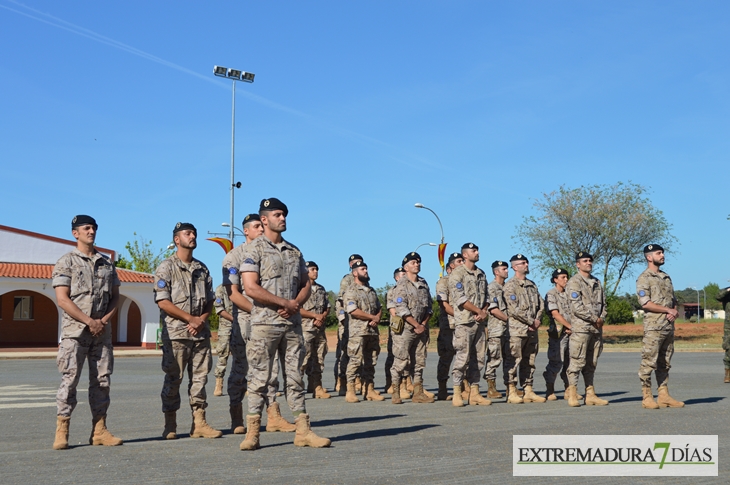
(359, 110)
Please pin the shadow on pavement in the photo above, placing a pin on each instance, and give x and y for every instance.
(157, 438)
(376, 433)
(352, 420)
(704, 400)
(627, 399)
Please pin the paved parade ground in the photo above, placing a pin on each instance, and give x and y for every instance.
(371, 442)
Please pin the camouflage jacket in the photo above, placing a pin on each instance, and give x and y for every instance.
(657, 288)
(524, 305)
(361, 297)
(587, 303)
(465, 285)
(316, 303)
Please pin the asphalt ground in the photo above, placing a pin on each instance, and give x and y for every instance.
(372, 442)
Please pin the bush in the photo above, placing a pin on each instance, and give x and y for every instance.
(618, 311)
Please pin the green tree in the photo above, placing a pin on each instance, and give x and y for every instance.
(142, 257)
(612, 222)
(711, 290)
(618, 310)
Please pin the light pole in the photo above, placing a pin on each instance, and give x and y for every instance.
(425, 244)
(698, 304)
(225, 224)
(418, 205)
(247, 77)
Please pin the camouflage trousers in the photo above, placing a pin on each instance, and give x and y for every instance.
(523, 351)
(363, 352)
(178, 356)
(390, 358)
(407, 346)
(726, 344)
(341, 358)
(261, 350)
(239, 366)
(470, 346)
(445, 347)
(558, 359)
(72, 352)
(494, 357)
(223, 348)
(585, 348)
(507, 361)
(656, 354)
(315, 349)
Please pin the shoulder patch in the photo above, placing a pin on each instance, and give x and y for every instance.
(350, 302)
(399, 300)
(248, 261)
(342, 312)
(459, 285)
(161, 284)
(232, 270)
(574, 295)
(512, 297)
(218, 300)
(642, 293)
(495, 299)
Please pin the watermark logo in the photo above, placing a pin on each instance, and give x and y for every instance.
(615, 455)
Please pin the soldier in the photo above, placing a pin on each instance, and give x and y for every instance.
(496, 324)
(468, 297)
(413, 305)
(241, 329)
(363, 305)
(224, 309)
(656, 296)
(558, 310)
(275, 277)
(724, 297)
(588, 312)
(341, 358)
(87, 290)
(314, 312)
(393, 319)
(184, 292)
(445, 339)
(524, 308)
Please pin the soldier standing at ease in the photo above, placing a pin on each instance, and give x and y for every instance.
(496, 323)
(184, 292)
(588, 312)
(524, 308)
(445, 339)
(275, 277)
(341, 358)
(363, 348)
(724, 297)
(224, 309)
(656, 296)
(314, 312)
(393, 319)
(558, 310)
(87, 290)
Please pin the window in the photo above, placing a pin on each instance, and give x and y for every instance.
(23, 308)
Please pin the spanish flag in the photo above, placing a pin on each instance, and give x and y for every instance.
(226, 244)
(442, 253)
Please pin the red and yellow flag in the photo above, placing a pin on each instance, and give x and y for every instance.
(442, 253)
(226, 244)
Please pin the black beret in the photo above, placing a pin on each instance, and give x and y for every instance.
(469, 246)
(183, 226)
(652, 247)
(582, 255)
(398, 270)
(518, 257)
(412, 256)
(273, 204)
(82, 220)
(497, 264)
(251, 218)
(454, 256)
(311, 264)
(359, 264)
(557, 273)
(353, 257)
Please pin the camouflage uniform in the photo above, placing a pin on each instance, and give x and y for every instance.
(445, 340)
(363, 346)
(390, 303)
(412, 299)
(524, 306)
(282, 273)
(341, 358)
(222, 302)
(558, 338)
(91, 281)
(658, 345)
(315, 339)
(470, 339)
(240, 329)
(495, 329)
(724, 298)
(190, 288)
(587, 304)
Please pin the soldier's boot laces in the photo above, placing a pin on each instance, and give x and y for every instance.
(170, 431)
(305, 436)
(218, 391)
(443, 393)
(100, 436)
(237, 419)
(395, 397)
(371, 394)
(492, 392)
(592, 400)
(550, 392)
(351, 395)
(251, 442)
(530, 396)
(201, 428)
(61, 440)
(572, 397)
(648, 401)
(358, 386)
(476, 399)
(727, 376)
(419, 396)
(457, 400)
(513, 397)
(276, 422)
(665, 400)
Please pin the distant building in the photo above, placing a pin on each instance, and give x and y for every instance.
(689, 310)
(29, 315)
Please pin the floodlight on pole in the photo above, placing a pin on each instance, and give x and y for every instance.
(425, 244)
(418, 205)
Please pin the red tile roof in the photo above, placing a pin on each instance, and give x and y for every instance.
(44, 271)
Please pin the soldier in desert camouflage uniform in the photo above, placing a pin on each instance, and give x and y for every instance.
(87, 290)
(558, 310)
(224, 309)
(445, 339)
(341, 359)
(314, 312)
(392, 317)
(496, 323)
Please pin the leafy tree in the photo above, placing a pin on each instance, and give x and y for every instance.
(618, 310)
(612, 222)
(142, 258)
(711, 290)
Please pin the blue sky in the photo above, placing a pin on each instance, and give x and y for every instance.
(359, 110)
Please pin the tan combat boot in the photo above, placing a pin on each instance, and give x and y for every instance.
(395, 397)
(251, 442)
(465, 391)
(371, 394)
(429, 394)
(237, 426)
(100, 436)
(201, 428)
(337, 384)
(664, 400)
(476, 399)
(419, 396)
(648, 401)
(571, 396)
(409, 384)
(170, 431)
(577, 396)
(443, 393)
(530, 396)
(492, 392)
(61, 440)
(342, 386)
(388, 384)
(404, 393)
(592, 400)
(358, 385)
(276, 422)
(319, 391)
(351, 395)
(550, 392)
(727, 376)
(457, 400)
(305, 436)
(512, 396)
(218, 391)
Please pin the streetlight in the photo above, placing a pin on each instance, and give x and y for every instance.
(225, 224)
(418, 205)
(247, 77)
(425, 244)
(698, 303)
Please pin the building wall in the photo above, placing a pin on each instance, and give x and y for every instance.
(41, 330)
